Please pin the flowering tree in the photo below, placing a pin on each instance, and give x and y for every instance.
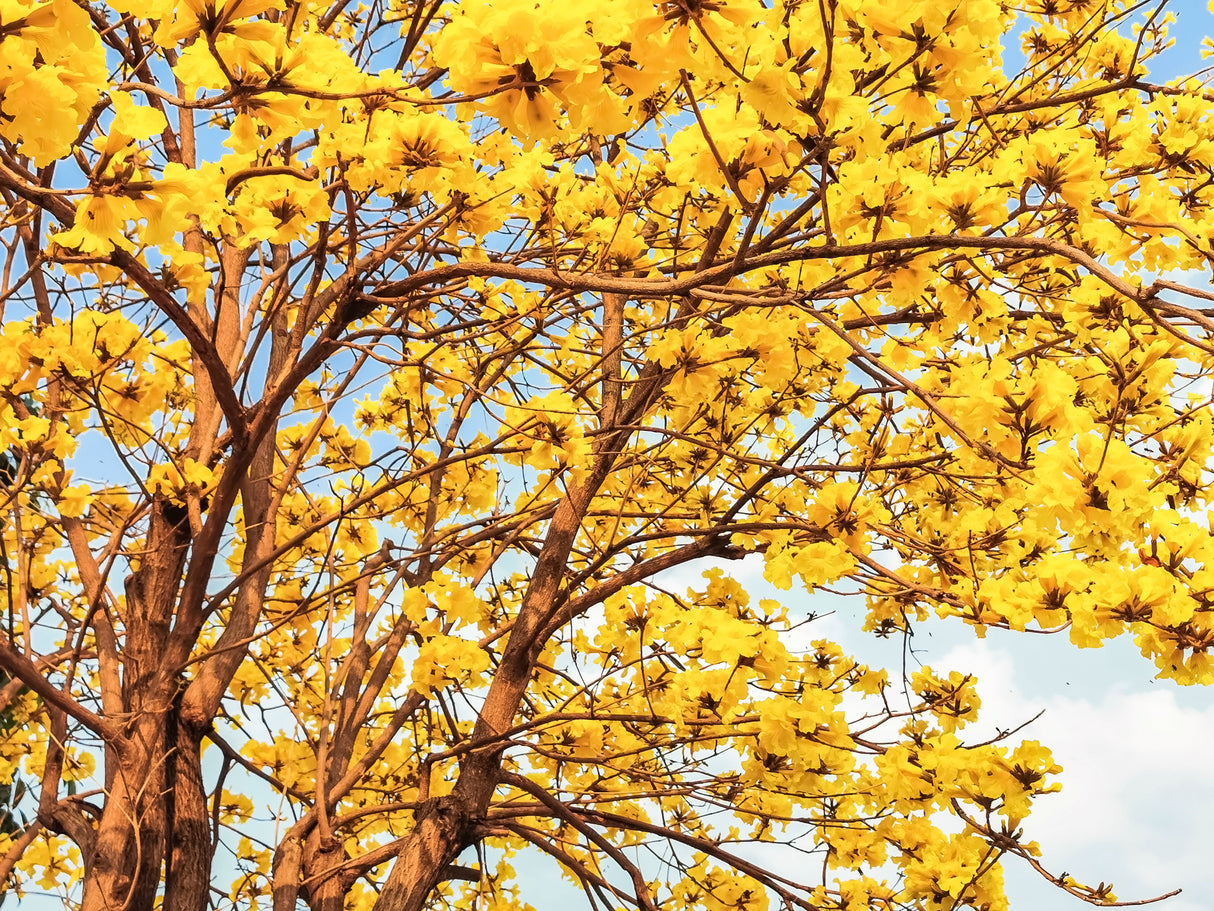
(369, 370)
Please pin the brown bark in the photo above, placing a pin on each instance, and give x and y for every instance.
(190, 851)
(130, 839)
(324, 883)
(443, 825)
(285, 873)
(613, 344)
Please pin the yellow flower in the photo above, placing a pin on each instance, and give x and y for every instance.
(100, 225)
(444, 660)
(174, 479)
(74, 500)
(183, 20)
(131, 122)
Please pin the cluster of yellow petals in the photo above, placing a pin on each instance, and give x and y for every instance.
(822, 288)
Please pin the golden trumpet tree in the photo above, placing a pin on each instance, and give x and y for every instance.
(367, 368)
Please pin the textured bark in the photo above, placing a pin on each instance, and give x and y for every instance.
(324, 885)
(125, 870)
(285, 873)
(190, 851)
(131, 838)
(151, 598)
(613, 346)
(439, 836)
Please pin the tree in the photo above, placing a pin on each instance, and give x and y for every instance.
(373, 378)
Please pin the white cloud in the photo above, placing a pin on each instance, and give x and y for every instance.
(1137, 791)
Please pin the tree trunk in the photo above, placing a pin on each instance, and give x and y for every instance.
(190, 851)
(443, 825)
(325, 884)
(125, 869)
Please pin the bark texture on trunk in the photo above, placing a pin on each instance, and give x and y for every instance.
(324, 882)
(126, 865)
(155, 809)
(190, 851)
(443, 826)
